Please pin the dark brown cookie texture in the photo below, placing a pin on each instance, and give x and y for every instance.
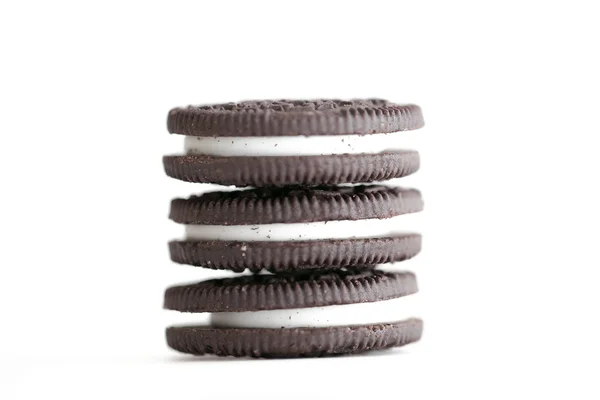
(291, 187)
(284, 291)
(292, 170)
(296, 205)
(288, 291)
(293, 342)
(295, 117)
(295, 255)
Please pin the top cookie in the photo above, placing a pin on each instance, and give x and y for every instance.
(295, 117)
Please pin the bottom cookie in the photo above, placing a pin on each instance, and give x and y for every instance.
(293, 342)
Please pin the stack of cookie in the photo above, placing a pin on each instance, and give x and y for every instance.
(308, 228)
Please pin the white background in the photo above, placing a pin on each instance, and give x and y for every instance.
(509, 271)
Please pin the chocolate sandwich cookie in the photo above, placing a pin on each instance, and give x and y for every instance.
(297, 315)
(295, 228)
(301, 142)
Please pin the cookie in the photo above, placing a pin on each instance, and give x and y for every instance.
(295, 117)
(304, 142)
(294, 228)
(297, 315)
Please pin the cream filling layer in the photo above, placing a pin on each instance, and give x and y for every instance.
(321, 230)
(317, 317)
(298, 145)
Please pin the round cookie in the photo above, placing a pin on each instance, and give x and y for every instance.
(302, 142)
(292, 228)
(297, 315)
(294, 342)
(282, 291)
(295, 117)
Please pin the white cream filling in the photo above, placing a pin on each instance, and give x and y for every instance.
(298, 145)
(338, 315)
(364, 228)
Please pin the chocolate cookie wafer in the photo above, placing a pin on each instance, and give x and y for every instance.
(297, 315)
(299, 142)
(294, 228)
